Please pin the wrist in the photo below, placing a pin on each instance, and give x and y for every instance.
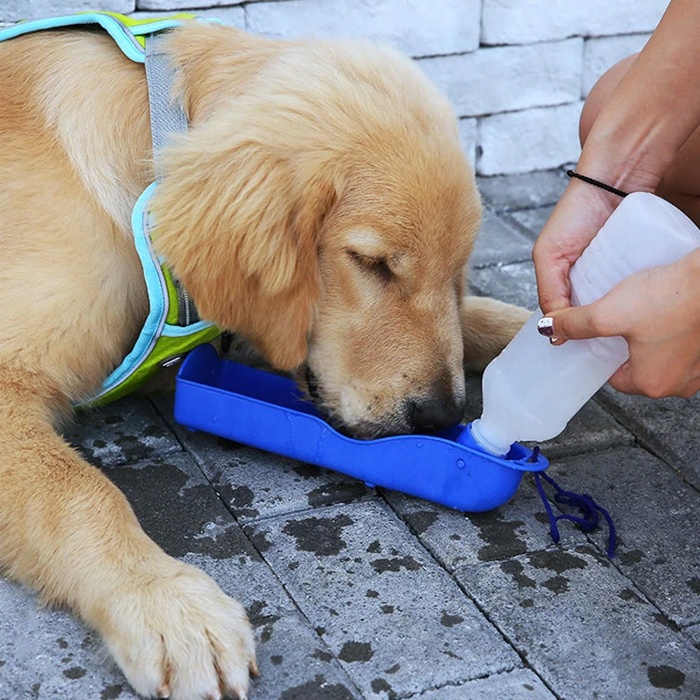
(631, 166)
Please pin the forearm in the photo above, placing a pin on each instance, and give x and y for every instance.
(655, 107)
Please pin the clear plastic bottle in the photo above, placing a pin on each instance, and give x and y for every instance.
(532, 389)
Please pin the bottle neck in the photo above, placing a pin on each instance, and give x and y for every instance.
(489, 439)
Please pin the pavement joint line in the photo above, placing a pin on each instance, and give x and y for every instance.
(482, 611)
(309, 509)
(500, 264)
(479, 677)
(643, 442)
(271, 569)
(522, 655)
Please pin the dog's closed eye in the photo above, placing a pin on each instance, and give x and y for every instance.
(377, 266)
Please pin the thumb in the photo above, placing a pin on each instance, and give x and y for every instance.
(572, 323)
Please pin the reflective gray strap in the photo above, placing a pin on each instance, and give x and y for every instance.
(167, 114)
(167, 119)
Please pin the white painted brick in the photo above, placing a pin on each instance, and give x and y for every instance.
(416, 27)
(233, 16)
(11, 11)
(509, 78)
(536, 139)
(601, 54)
(183, 4)
(519, 22)
(467, 137)
(519, 102)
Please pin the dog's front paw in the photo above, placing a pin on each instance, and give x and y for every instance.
(178, 636)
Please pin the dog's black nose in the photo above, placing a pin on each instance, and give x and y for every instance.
(436, 412)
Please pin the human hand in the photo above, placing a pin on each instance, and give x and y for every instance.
(657, 311)
(576, 219)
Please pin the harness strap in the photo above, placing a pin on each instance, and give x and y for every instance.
(168, 116)
(168, 119)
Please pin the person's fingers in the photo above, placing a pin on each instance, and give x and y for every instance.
(635, 377)
(554, 291)
(553, 286)
(573, 323)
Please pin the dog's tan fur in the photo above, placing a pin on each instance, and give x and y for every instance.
(319, 205)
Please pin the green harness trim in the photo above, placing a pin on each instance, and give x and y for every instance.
(172, 327)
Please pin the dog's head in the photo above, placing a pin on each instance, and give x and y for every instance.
(327, 213)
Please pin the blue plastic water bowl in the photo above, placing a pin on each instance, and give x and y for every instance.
(267, 411)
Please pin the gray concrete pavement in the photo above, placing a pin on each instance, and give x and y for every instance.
(358, 593)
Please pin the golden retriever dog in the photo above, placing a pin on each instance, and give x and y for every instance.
(319, 205)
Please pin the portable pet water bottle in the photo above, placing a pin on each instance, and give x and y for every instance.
(532, 389)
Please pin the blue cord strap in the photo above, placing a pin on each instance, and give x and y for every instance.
(589, 509)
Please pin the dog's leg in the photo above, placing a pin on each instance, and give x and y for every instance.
(487, 327)
(68, 532)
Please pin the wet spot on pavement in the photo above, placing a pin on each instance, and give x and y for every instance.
(380, 685)
(500, 537)
(557, 561)
(335, 492)
(322, 655)
(322, 536)
(420, 520)
(628, 594)
(515, 570)
(557, 584)
(666, 622)
(666, 677)
(634, 556)
(318, 689)
(356, 651)
(395, 564)
(260, 541)
(74, 673)
(448, 620)
(240, 498)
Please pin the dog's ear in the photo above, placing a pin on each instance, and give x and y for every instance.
(239, 225)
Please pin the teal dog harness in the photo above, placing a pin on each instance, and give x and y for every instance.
(172, 327)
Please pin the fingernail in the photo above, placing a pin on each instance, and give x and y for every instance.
(553, 340)
(545, 326)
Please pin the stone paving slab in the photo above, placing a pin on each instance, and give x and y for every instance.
(506, 193)
(255, 484)
(458, 539)
(499, 242)
(47, 654)
(693, 633)
(511, 282)
(529, 221)
(516, 685)
(669, 427)
(183, 514)
(119, 432)
(194, 525)
(657, 519)
(390, 614)
(583, 627)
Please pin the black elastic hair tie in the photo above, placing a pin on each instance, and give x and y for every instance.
(596, 183)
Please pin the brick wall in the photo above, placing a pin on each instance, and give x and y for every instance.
(515, 70)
